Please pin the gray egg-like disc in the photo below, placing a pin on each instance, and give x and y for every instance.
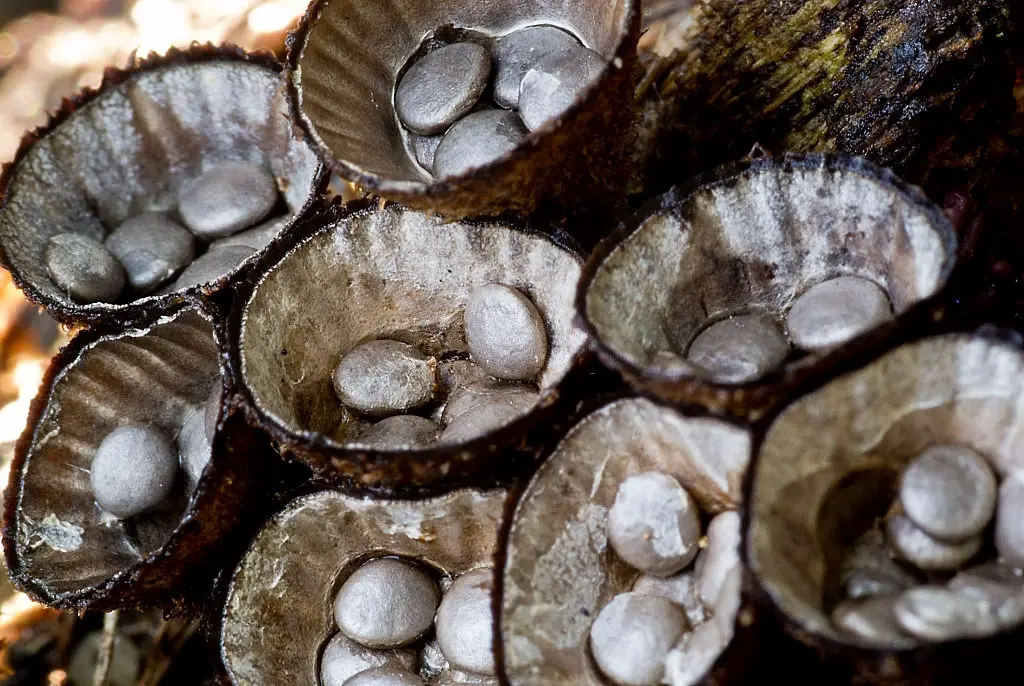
(193, 445)
(226, 199)
(386, 603)
(836, 311)
(505, 333)
(739, 349)
(937, 613)
(477, 140)
(999, 585)
(462, 400)
(864, 583)
(695, 654)
(465, 623)
(211, 411)
(872, 619)
(256, 238)
(926, 552)
(1010, 521)
(480, 421)
(406, 431)
(869, 568)
(382, 378)
(424, 148)
(385, 676)
(719, 558)
(518, 52)
(343, 658)
(555, 83)
(654, 524)
(681, 589)
(84, 269)
(133, 470)
(215, 264)
(441, 87)
(633, 634)
(152, 249)
(950, 492)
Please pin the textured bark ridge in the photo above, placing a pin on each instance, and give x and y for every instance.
(918, 86)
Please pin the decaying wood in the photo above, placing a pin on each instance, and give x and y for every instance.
(921, 87)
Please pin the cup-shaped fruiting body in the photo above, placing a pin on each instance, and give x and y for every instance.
(288, 583)
(936, 419)
(359, 333)
(131, 152)
(112, 406)
(698, 299)
(346, 67)
(561, 569)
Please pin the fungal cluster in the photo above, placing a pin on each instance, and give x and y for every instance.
(385, 455)
(538, 73)
(948, 499)
(385, 379)
(743, 348)
(674, 624)
(384, 611)
(224, 210)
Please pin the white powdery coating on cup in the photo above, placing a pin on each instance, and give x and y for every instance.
(382, 378)
(936, 613)
(505, 333)
(133, 470)
(926, 552)
(739, 349)
(653, 524)
(633, 635)
(836, 311)
(226, 199)
(386, 603)
(465, 623)
(950, 492)
(343, 658)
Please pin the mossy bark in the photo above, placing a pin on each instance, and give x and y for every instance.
(921, 87)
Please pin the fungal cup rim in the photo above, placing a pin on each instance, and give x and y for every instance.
(307, 441)
(755, 397)
(434, 188)
(143, 308)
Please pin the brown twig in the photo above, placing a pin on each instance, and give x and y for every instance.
(170, 638)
